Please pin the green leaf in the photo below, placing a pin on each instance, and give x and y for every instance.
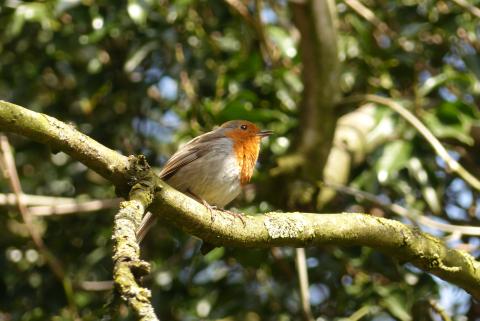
(452, 120)
(394, 157)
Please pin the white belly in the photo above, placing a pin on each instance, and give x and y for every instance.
(215, 177)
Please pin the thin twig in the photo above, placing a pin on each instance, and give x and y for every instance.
(301, 264)
(185, 80)
(439, 310)
(95, 285)
(368, 15)
(469, 7)
(52, 261)
(48, 205)
(411, 214)
(10, 199)
(269, 52)
(81, 207)
(360, 313)
(451, 163)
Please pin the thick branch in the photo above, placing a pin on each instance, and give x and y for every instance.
(318, 45)
(64, 137)
(276, 229)
(304, 229)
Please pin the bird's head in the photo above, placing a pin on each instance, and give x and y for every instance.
(243, 130)
(246, 138)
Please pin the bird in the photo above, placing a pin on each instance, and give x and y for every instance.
(213, 167)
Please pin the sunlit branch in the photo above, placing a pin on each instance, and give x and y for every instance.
(271, 229)
(451, 163)
(75, 208)
(10, 199)
(469, 7)
(61, 136)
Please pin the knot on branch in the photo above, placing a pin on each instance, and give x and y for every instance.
(140, 177)
(139, 268)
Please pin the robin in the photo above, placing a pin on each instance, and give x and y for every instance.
(213, 167)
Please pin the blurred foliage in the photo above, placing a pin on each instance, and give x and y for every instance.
(143, 76)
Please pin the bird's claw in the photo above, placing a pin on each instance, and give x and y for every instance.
(211, 208)
(237, 215)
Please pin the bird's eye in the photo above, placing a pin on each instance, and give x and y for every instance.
(243, 127)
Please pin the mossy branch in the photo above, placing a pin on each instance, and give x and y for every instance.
(393, 238)
(128, 267)
(271, 229)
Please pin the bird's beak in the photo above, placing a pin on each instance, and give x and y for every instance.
(264, 133)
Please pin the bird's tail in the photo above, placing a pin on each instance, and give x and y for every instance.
(148, 221)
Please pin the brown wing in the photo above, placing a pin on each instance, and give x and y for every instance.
(190, 152)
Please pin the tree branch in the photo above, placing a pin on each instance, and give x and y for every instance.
(52, 261)
(412, 214)
(308, 229)
(274, 229)
(321, 69)
(51, 205)
(128, 267)
(61, 136)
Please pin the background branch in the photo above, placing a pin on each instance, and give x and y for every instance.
(412, 214)
(318, 45)
(451, 163)
(51, 205)
(14, 182)
(316, 22)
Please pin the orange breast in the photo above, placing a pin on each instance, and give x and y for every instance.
(246, 151)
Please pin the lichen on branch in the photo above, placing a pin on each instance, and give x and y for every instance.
(128, 267)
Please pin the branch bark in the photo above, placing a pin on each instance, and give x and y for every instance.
(128, 268)
(272, 229)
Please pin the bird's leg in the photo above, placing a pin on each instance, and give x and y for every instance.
(210, 208)
(234, 214)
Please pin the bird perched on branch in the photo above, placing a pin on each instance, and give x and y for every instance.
(213, 167)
